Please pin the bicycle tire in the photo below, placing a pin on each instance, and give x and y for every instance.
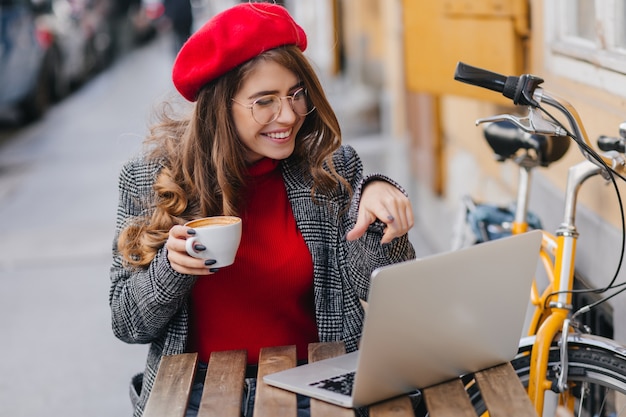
(596, 363)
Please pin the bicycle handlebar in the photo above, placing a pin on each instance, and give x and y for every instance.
(519, 89)
(524, 90)
(480, 77)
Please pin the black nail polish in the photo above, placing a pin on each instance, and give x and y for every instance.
(210, 262)
(214, 269)
(199, 248)
(191, 231)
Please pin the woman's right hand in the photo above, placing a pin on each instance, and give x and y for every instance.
(179, 258)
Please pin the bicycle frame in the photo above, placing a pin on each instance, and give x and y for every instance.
(551, 315)
(553, 306)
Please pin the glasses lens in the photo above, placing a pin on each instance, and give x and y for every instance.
(265, 109)
(300, 102)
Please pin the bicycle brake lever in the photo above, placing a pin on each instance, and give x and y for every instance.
(533, 123)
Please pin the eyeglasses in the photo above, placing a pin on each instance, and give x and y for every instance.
(267, 108)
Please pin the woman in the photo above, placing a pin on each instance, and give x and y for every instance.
(261, 143)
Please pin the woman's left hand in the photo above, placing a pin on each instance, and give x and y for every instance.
(381, 200)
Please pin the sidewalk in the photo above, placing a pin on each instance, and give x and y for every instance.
(58, 193)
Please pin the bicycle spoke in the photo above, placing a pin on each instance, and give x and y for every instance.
(604, 401)
(583, 393)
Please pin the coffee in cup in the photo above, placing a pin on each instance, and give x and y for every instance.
(220, 235)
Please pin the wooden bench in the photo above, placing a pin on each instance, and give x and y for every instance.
(500, 387)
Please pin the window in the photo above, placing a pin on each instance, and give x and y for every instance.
(586, 41)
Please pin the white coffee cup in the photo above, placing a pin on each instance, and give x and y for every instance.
(220, 235)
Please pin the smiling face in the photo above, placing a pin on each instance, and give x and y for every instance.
(277, 139)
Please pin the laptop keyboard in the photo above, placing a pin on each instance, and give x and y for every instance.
(341, 384)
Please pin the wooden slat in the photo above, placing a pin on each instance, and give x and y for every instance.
(272, 401)
(396, 407)
(319, 351)
(503, 392)
(448, 400)
(170, 393)
(223, 386)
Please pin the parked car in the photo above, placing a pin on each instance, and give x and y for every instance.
(24, 61)
(80, 41)
(50, 47)
(133, 25)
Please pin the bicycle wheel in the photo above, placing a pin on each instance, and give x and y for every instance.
(596, 376)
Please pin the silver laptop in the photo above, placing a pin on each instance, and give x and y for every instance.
(428, 321)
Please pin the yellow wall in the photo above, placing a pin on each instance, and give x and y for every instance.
(450, 155)
(441, 33)
(600, 111)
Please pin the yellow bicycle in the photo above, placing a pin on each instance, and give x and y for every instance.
(560, 361)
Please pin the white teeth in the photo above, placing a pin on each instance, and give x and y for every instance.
(282, 135)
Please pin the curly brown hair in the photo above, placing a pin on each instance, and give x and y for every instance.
(204, 171)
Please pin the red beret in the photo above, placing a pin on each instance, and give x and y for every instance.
(231, 38)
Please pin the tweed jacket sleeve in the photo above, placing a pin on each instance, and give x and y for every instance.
(342, 269)
(147, 305)
(144, 301)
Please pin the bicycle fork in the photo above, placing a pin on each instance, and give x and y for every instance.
(557, 320)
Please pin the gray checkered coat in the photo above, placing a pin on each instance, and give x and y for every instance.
(151, 305)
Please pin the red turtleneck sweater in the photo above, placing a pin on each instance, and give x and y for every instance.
(266, 297)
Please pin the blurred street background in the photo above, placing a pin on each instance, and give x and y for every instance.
(57, 206)
(79, 80)
(58, 196)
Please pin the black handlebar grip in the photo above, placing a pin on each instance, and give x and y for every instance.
(480, 77)
(519, 89)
